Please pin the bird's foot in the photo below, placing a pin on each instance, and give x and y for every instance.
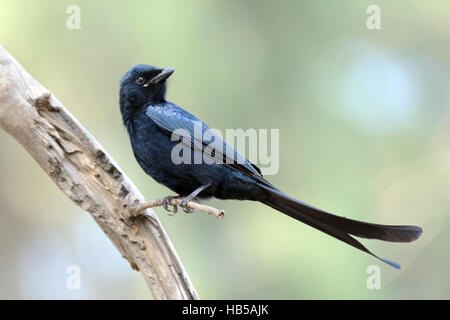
(166, 202)
(185, 207)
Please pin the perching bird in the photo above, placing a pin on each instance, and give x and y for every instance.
(152, 124)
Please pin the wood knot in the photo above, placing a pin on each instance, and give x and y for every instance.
(44, 102)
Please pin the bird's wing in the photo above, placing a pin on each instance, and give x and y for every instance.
(176, 122)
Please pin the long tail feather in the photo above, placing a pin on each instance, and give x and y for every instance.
(340, 227)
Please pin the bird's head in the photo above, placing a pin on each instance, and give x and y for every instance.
(144, 83)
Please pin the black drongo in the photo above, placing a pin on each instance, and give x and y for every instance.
(157, 126)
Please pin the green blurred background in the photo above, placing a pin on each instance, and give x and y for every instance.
(364, 119)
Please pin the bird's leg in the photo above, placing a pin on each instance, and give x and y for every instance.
(167, 201)
(191, 197)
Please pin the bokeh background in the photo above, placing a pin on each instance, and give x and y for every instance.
(364, 119)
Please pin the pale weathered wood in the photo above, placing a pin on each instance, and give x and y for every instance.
(219, 213)
(86, 174)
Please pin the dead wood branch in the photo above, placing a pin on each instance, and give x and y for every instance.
(86, 174)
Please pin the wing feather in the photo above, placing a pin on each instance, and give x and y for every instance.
(170, 118)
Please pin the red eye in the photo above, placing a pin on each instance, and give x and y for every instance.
(140, 80)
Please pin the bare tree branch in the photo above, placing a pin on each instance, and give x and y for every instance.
(86, 174)
(219, 213)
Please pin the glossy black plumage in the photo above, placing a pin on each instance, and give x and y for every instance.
(151, 121)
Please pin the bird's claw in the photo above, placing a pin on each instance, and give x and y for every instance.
(185, 207)
(166, 202)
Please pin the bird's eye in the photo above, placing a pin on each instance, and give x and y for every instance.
(140, 80)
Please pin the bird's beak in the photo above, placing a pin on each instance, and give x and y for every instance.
(162, 76)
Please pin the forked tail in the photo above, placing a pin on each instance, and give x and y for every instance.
(339, 227)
